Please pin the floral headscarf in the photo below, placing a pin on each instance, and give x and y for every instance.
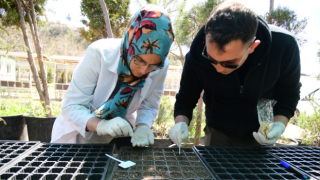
(149, 32)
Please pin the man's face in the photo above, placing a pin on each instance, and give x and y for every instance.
(234, 53)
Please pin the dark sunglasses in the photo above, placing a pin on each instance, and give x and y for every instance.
(223, 64)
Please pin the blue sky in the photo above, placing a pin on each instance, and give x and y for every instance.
(58, 10)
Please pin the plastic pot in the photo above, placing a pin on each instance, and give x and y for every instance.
(162, 142)
(39, 128)
(15, 129)
(293, 143)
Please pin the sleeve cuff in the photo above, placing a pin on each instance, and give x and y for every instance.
(283, 111)
(185, 113)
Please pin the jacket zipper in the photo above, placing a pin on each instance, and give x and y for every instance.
(241, 91)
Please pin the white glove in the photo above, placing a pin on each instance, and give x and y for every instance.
(142, 136)
(178, 132)
(114, 127)
(273, 135)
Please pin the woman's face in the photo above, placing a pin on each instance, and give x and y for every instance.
(147, 59)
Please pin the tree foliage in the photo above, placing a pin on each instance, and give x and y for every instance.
(287, 19)
(9, 15)
(190, 22)
(119, 16)
(170, 6)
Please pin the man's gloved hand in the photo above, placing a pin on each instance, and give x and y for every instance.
(142, 136)
(115, 127)
(273, 135)
(178, 132)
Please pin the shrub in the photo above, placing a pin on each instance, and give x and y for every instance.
(164, 120)
(27, 105)
(311, 128)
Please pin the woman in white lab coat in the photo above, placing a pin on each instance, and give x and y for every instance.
(117, 86)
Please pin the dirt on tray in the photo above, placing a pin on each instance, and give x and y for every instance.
(161, 168)
(204, 175)
(175, 168)
(148, 158)
(159, 157)
(135, 174)
(148, 175)
(190, 175)
(163, 175)
(176, 175)
(149, 168)
(172, 163)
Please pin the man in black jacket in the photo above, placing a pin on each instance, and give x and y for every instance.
(237, 59)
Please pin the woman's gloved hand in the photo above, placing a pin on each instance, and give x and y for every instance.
(142, 136)
(273, 135)
(178, 132)
(114, 127)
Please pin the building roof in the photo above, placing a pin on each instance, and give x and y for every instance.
(61, 59)
(67, 59)
(23, 55)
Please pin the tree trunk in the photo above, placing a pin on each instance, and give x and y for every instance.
(271, 5)
(30, 22)
(45, 93)
(181, 57)
(26, 41)
(199, 119)
(106, 18)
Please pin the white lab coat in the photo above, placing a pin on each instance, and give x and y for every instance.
(93, 81)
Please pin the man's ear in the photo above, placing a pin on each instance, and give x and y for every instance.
(254, 45)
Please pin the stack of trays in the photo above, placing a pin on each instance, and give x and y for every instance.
(160, 163)
(10, 150)
(62, 161)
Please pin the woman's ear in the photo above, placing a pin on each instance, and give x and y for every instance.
(254, 45)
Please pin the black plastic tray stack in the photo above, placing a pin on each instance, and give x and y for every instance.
(229, 163)
(160, 163)
(11, 150)
(306, 158)
(62, 161)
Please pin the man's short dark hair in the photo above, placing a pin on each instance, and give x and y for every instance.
(231, 21)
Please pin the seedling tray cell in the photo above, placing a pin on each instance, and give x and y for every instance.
(229, 163)
(160, 163)
(54, 161)
(306, 158)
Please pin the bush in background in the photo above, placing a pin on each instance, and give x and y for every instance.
(31, 107)
(311, 128)
(164, 120)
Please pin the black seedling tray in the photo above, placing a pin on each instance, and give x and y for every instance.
(306, 158)
(229, 163)
(11, 150)
(63, 161)
(160, 163)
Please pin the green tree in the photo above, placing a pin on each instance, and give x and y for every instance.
(190, 22)
(287, 19)
(119, 16)
(9, 13)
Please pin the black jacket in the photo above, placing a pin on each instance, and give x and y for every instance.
(272, 71)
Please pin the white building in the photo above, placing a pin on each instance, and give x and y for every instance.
(7, 68)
